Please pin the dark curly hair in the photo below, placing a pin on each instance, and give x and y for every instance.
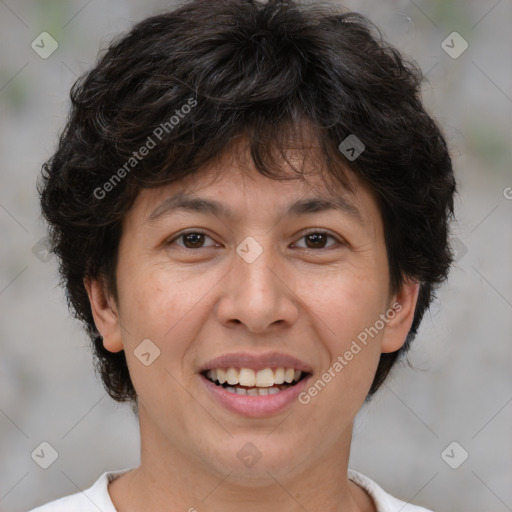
(265, 71)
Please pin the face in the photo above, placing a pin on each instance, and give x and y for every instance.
(260, 275)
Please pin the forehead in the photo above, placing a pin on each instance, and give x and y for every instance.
(231, 187)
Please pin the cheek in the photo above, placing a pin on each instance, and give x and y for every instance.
(148, 302)
(345, 300)
(157, 307)
(166, 305)
(344, 307)
(346, 304)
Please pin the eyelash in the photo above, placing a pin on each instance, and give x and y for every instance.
(306, 233)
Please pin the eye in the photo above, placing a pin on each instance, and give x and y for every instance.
(191, 239)
(316, 239)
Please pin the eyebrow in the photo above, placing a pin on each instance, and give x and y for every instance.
(182, 201)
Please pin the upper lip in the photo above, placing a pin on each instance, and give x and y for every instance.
(256, 361)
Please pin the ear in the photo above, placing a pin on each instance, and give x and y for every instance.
(105, 314)
(400, 316)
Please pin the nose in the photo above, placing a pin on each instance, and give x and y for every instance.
(258, 294)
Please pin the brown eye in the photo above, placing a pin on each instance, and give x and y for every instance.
(317, 239)
(191, 240)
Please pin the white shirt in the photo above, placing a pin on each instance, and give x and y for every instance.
(97, 497)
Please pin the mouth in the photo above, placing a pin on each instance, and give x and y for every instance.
(255, 385)
(246, 381)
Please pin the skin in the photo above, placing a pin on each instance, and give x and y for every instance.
(306, 298)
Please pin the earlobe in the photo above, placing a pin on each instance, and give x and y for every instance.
(105, 314)
(399, 322)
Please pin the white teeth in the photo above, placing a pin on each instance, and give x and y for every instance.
(288, 375)
(247, 377)
(279, 376)
(265, 378)
(232, 376)
(221, 375)
(253, 391)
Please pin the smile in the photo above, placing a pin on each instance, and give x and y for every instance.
(246, 381)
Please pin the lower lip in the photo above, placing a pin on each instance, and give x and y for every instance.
(255, 406)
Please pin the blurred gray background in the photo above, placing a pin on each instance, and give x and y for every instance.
(460, 389)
